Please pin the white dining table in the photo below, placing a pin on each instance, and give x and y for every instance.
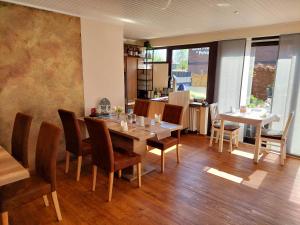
(254, 117)
(10, 169)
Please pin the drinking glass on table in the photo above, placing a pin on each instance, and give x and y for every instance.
(133, 118)
(141, 121)
(129, 118)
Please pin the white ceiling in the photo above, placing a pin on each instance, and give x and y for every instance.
(164, 18)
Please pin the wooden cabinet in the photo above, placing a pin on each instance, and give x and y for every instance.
(130, 78)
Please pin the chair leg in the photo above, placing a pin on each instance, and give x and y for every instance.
(284, 149)
(177, 153)
(4, 216)
(119, 173)
(217, 136)
(282, 154)
(46, 200)
(211, 136)
(139, 174)
(230, 142)
(110, 185)
(94, 177)
(237, 139)
(67, 162)
(79, 162)
(56, 205)
(162, 166)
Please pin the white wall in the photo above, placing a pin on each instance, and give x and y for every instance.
(103, 65)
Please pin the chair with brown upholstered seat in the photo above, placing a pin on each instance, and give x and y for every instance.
(73, 138)
(104, 156)
(269, 137)
(141, 107)
(41, 183)
(171, 114)
(19, 140)
(230, 129)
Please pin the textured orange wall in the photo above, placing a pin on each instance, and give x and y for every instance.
(40, 68)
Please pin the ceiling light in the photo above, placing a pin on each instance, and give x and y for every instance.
(127, 20)
(224, 4)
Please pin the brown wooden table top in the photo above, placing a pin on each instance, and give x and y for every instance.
(136, 132)
(10, 169)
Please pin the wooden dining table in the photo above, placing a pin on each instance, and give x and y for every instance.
(252, 117)
(134, 140)
(10, 169)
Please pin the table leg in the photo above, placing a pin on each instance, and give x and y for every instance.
(257, 143)
(221, 136)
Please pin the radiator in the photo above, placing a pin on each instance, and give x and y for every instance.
(198, 118)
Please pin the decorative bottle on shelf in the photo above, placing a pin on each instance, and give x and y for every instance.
(155, 93)
(136, 52)
(130, 52)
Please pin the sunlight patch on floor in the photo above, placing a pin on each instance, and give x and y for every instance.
(295, 193)
(255, 179)
(224, 175)
(243, 153)
(157, 151)
(271, 157)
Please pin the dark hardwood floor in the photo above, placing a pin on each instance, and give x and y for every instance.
(207, 187)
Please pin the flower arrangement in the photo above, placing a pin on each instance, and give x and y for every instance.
(118, 110)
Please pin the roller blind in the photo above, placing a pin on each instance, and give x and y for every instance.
(229, 74)
(286, 89)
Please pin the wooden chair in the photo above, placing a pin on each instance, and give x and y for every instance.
(104, 156)
(141, 107)
(74, 143)
(231, 129)
(269, 136)
(171, 114)
(40, 184)
(19, 140)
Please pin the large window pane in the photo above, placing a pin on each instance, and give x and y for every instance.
(261, 81)
(159, 55)
(263, 77)
(190, 69)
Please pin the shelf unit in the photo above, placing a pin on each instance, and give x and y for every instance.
(145, 75)
(131, 55)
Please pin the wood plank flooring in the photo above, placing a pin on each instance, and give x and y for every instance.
(207, 187)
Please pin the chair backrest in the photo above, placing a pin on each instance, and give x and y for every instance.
(214, 111)
(102, 149)
(287, 125)
(19, 139)
(72, 131)
(141, 107)
(46, 151)
(172, 114)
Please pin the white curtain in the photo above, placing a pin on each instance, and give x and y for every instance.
(286, 89)
(229, 74)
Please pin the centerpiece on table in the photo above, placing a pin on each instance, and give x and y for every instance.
(118, 111)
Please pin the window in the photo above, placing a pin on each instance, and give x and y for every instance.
(159, 55)
(190, 70)
(261, 85)
(261, 78)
